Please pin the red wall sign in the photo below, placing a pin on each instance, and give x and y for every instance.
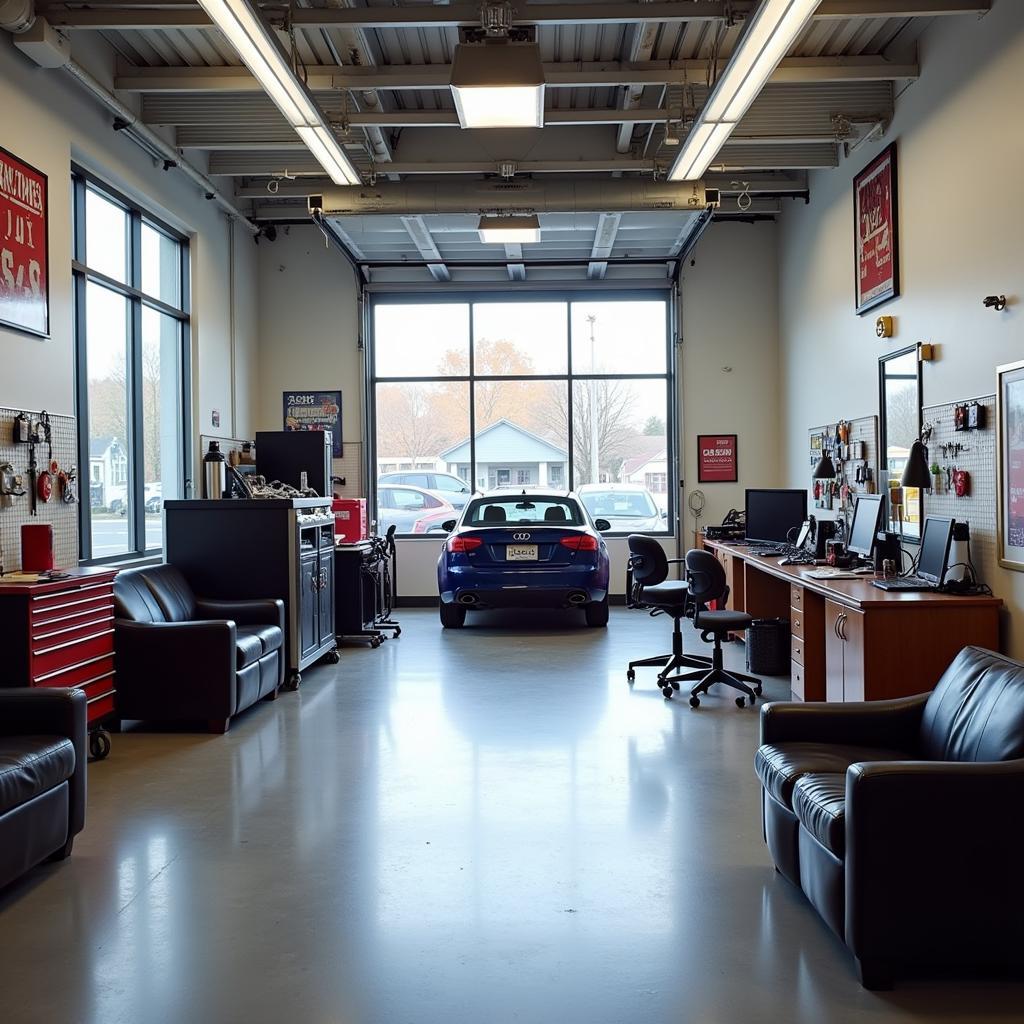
(716, 459)
(24, 269)
(876, 227)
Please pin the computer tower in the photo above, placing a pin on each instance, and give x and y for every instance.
(285, 454)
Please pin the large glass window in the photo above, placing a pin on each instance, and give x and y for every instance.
(131, 327)
(539, 392)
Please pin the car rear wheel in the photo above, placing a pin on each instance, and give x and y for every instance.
(597, 613)
(453, 616)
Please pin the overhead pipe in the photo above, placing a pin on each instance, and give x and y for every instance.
(501, 196)
(17, 16)
(130, 121)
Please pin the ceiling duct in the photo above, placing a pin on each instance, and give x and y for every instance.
(617, 195)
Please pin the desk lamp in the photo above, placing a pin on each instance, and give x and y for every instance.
(825, 469)
(916, 472)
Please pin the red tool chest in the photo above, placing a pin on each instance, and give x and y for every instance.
(61, 633)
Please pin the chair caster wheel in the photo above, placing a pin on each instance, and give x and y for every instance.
(757, 689)
(675, 686)
(695, 702)
(398, 632)
(667, 691)
(630, 675)
(740, 702)
(333, 657)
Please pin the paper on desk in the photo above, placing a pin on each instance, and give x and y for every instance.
(832, 574)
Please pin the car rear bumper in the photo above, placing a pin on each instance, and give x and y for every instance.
(565, 587)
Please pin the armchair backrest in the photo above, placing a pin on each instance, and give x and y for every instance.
(154, 593)
(976, 713)
(647, 559)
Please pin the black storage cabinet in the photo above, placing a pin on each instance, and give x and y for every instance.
(260, 548)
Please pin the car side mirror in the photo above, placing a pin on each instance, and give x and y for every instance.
(602, 525)
(664, 515)
(448, 525)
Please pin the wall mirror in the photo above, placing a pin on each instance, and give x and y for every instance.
(899, 382)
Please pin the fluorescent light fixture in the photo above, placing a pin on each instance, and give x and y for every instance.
(498, 85)
(509, 230)
(765, 42)
(261, 52)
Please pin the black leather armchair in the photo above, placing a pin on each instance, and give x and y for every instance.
(42, 776)
(899, 819)
(182, 658)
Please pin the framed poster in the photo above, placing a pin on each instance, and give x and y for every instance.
(315, 410)
(876, 232)
(24, 247)
(1010, 459)
(717, 462)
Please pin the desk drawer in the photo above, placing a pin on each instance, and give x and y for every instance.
(796, 680)
(796, 622)
(796, 596)
(797, 649)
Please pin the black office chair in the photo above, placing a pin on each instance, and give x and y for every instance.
(651, 588)
(706, 579)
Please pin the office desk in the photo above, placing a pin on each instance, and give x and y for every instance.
(850, 640)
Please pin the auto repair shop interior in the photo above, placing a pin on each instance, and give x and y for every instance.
(511, 511)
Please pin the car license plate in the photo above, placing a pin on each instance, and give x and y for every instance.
(521, 553)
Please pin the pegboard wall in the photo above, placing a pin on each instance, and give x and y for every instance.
(350, 468)
(63, 517)
(978, 457)
(855, 459)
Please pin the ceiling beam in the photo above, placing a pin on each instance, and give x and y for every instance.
(468, 16)
(517, 269)
(604, 242)
(420, 235)
(644, 36)
(594, 74)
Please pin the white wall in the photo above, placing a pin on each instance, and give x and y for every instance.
(308, 338)
(960, 161)
(48, 121)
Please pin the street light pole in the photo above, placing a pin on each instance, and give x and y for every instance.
(594, 455)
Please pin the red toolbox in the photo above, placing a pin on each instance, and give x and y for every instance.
(350, 524)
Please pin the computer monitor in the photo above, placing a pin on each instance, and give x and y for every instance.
(775, 515)
(935, 543)
(867, 521)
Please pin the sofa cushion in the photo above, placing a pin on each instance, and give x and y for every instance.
(819, 801)
(976, 712)
(133, 600)
(271, 638)
(248, 645)
(32, 765)
(172, 592)
(779, 765)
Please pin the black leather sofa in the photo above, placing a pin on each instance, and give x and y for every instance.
(42, 776)
(900, 820)
(179, 658)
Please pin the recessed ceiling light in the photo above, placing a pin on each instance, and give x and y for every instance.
(509, 230)
(498, 85)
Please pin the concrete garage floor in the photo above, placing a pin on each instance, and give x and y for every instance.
(475, 826)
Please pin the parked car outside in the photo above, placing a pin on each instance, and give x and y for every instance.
(454, 490)
(534, 549)
(630, 508)
(405, 507)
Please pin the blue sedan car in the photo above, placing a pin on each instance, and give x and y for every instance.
(528, 550)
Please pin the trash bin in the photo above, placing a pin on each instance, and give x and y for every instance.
(768, 647)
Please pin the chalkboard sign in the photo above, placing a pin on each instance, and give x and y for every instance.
(315, 410)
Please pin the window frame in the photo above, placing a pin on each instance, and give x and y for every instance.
(568, 296)
(81, 274)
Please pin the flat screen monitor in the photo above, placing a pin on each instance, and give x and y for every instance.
(775, 515)
(935, 543)
(867, 521)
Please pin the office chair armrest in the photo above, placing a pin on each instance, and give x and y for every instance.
(875, 723)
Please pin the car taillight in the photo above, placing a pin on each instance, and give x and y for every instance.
(581, 542)
(460, 545)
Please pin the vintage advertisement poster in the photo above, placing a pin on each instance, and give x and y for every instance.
(315, 410)
(1010, 413)
(876, 232)
(716, 459)
(24, 271)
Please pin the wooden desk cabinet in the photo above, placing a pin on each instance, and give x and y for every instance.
(851, 641)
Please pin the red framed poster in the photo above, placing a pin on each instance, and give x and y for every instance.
(876, 232)
(717, 462)
(24, 247)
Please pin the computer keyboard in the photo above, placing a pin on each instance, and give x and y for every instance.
(906, 583)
